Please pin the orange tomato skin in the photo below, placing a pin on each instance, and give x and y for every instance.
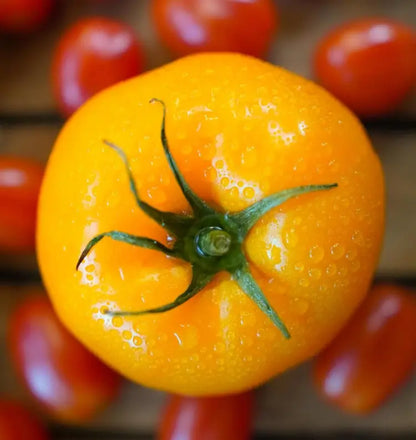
(20, 181)
(191, 26)
(240, 129)
(369, 64)
(65, 378)
(207, 418)
(373, 354)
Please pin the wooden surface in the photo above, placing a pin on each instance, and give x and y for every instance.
(288, 404)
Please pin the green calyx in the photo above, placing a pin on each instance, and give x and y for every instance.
(211, 241)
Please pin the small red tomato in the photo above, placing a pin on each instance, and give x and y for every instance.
(23, 16)
(17, 423)
(20, 181)
(373, 354)
(207, 418)
(65, 378)
(93, 54)
(189, 26)
(369, 64)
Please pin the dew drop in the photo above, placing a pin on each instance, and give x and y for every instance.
(303, 282)
(117, 321)
(219, 164)
(357, 238)
(249, 192)
(337, 251)
(331, 270)
(137, 341)
(127, 335)
(291, 239)
(90, 268)
(234, 192)
(315, 273)
(316, 254)
(299, 267)
(225, 181)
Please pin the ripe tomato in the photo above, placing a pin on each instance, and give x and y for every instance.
(189, 26)
(22, 16)
(370, 64)
(373, 354)
(20, 181)
(65, 378)
(93, 54)
(247, 130)
(17, 423)
(207, 418)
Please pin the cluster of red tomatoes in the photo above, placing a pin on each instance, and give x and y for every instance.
(372, 355)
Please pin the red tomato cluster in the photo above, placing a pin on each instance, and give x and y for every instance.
(373, 354)
(369, 64)
(94, 54)
(20, 181)
(66, 379)
(17, 423)
(189, 26)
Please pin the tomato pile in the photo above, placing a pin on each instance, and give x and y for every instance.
(172, 252)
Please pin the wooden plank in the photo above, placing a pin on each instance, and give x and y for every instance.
(303, 23)
(397, 152)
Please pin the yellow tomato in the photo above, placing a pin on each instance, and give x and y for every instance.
(240, 130)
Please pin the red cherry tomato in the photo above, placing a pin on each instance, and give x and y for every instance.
(93, 54)
(373, 354)
(16, 423)
(188, 26)
(20, 181)
(22, 16)
(369, 64)
(65, 378)
(207, 418)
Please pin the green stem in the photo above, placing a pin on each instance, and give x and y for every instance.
(209, 240)
(198, 282)
(125, 238)
(174, 223)
(252, 289)
(250, 216)
(198, 205)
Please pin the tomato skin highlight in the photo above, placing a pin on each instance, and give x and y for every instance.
(20, 181)
(373, 354)
(351, 63)
(189, 26)
(93, 54)
(17, 423)
(65, 378)
(207, 418)
(24, 16)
